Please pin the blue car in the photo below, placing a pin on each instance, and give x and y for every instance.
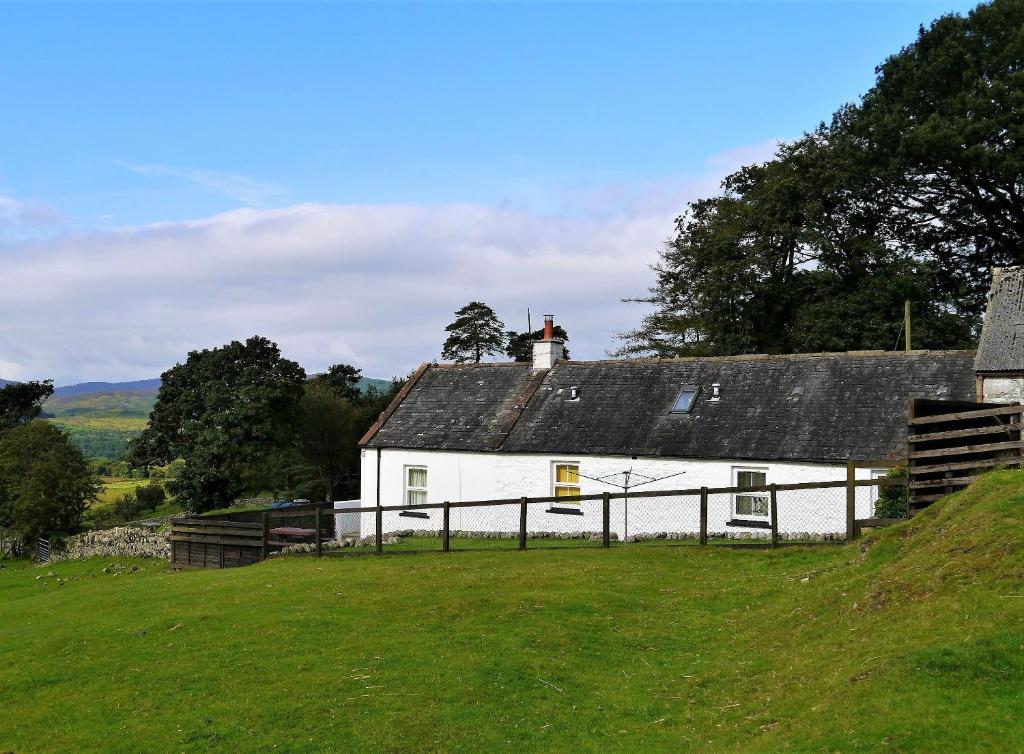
(277, 505)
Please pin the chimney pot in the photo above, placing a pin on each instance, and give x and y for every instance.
(549, 350)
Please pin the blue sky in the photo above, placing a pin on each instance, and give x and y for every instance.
(494, 131)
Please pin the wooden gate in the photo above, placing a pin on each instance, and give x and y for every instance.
(951, 442)
(206, 543)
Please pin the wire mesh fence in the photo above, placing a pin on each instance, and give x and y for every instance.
(768, 514)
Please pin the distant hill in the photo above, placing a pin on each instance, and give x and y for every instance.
(103, 417)
(91, 388)
(365, 383)
(146, 387)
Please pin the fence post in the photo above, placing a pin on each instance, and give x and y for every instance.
(851, 500)
(446, 532)
(379, 524)
(316, 527)
(522, 523)
(703, 515)
(775, 516)
(266, 536)
(606, 522)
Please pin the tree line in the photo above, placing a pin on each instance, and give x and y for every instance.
(914, 193)
(243, 419)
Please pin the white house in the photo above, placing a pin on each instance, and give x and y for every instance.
(555, 427)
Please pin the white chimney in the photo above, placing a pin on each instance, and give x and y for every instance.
(549, 350)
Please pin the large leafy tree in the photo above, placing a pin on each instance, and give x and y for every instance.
(326, 437)
(46, 483)
(944, 126)
(475, 333)
(912, 194)
(343, 380)
(520, 344)
(328, 429)
(224, 411)
(21, 402)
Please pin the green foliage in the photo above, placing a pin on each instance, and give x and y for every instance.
(343, 380)
(223, 411)
(912, 194)
(326, 436)
(142, 500)
(475, 333)
(907, 641)
(519, 346)
(892, 501)
(150, 497)
(944, 128)
(21, 402)
(45, 482)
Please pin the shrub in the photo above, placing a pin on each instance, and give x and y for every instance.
(150, 497)
(892, 499)
(126, 507)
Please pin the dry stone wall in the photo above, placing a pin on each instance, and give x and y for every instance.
(119, 542)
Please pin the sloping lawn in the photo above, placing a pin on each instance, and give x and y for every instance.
(910, 641)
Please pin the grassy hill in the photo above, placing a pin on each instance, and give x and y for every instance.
(908, 641)
(101, 424)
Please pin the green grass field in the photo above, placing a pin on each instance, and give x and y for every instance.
(101, 512)
(911, 640)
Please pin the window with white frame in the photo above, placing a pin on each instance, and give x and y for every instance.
(751, 505)
(415, 485)
(566, 479)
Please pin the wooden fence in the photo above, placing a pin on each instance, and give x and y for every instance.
(211, 543)
(217, 543)
(951, 442)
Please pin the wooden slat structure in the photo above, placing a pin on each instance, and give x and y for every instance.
(950, 442)
(210, 543)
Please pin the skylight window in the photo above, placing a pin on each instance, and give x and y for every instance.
(684, 402)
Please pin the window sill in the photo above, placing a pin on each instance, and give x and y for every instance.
(565, 511)
(414, 514)
(748, 523)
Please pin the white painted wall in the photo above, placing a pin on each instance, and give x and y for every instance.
(346, 523)
(456, 476)
(1004, 390)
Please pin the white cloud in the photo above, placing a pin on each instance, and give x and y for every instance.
(373, 285)
(240, 188)
(21, 219)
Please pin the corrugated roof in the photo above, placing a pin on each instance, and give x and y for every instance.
(819, 407)
(1002, 335)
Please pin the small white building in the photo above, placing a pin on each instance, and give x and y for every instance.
(556, 427)
(1000, 362)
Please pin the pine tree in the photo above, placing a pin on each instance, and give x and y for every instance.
(475, 333)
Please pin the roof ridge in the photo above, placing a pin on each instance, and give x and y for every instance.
(781, 356)
(735, 357)
(469, 365)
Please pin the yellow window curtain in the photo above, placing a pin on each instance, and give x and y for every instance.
(567, 474)
(567, 479)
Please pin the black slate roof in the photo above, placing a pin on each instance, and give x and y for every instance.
(1002, 335)
(817, 407)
